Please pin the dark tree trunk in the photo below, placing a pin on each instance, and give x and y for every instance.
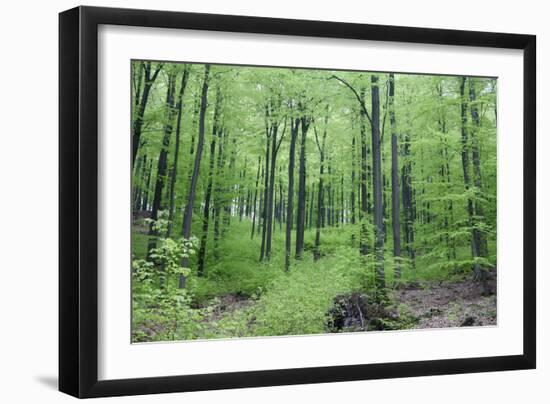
(448, 220)
(188, 214)
(377, 185)
(363, 242)
(478, 208)
(255, 197)
(320, 197)
(341, 209)
(329, 197)
(220, 164)
(396, 226)
(352, 196)
(408, 195)
(162, 162)
(140, 112)
(300, 214)
(294, 127)
(271, 191)
(145, 200)
(179, 107)
(138, 180)
(311, 203)
(265, 209)
(207, 197)
(467, 182)
(242, 194)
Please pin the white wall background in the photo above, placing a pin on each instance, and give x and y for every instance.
(28, 206)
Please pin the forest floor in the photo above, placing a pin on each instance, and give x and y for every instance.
(445, 304)
(433, 305)
(240, 297)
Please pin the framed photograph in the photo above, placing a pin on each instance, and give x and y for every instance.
(250, 201)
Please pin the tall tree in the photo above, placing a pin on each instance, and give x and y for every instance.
(294, 129)
(300, 214)
(140, 105)
(377, 184)
(208, 195)
(478, 206)
(162, 161)
(320, 208)
(188, 213)
(396, 225)
(478, 273)
(179, 108)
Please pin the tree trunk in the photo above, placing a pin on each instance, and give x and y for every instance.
(467, 181)
(188, 214)
(145, 200)
(478, 208)
(255, 197)
(396, 225)
(300, 214)
(320, 190)
(363, 239)
(377, 185)
(179, 108)
(207, 197)
(352, 196)
(274, 130)
(162, 162)
(294, 127)
(140, 112)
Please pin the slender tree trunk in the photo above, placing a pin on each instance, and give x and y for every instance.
(138, 180)
(140, 112)
(270, 194)
(255, 197)
(220, 164)
(352, 196)
(188, 214)
(294, 127)
(396, 225)
(265, 209)
(179, 107)
(320, 190)
(206, 209)
(162, 162)
(311, 203)
(363, 239)
(145, 200)
(377, 185)
(300, 214)
(467, 181)
(478, 207)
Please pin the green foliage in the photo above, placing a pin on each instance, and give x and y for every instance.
(240, 295)
(160, 309)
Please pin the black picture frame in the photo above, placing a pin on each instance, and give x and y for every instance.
(78, 201)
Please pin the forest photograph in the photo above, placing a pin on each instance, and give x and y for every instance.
(270, 201)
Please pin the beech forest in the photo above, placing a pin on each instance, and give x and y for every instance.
(274, 201)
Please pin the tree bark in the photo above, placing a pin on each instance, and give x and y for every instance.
(300, 214)
(188, 214)
(377, 185)
(478, 207)
(294, 127)
(162, 162)
(255, 197)
(363, 246)
(396, 225)
(467, 182)
(320, 208)
(179, 108)
(140, 112)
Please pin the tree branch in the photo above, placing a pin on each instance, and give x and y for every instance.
(361, 102)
